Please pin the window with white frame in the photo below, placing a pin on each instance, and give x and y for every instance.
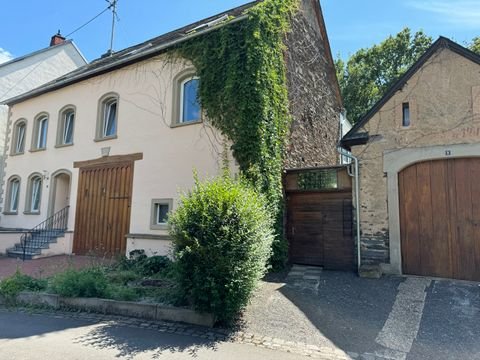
(190, 110)
(13, 195)
(19, 131)
(107, 117)
(66, 125)
(39, 139)
(159, 213)
(34, 194)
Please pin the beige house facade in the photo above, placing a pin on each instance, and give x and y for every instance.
(117, 141)
(419, 155)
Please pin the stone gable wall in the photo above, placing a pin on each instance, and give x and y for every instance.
(444, 99)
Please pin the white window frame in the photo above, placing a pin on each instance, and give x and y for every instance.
(20, 130)
(14, 195)
(107, 108)
(36, 193)
(182, 100)
(156, 203)
(68, 124)
(41, 129)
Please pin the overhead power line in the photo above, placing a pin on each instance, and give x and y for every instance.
(89, 21)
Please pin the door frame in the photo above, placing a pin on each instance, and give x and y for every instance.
(53, 189)
(394, 161)
(109, 161)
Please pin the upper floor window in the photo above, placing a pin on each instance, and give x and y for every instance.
(13, 195)
(190, 106)
(19, 132)
(107, 117)
(406, 114)
(39, 140)
(34, 194)
(187, 109)
(65, 126)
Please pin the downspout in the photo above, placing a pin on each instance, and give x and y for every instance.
(349, 155)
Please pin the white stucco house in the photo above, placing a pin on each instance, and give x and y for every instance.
(28, 72)
(102, 153)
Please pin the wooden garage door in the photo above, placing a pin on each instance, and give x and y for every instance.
(440, 218)
(319, 226)
(103, 209)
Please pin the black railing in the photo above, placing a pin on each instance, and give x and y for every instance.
(41, 235)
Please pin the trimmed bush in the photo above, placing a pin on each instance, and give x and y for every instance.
(222, 234)
(90, 282)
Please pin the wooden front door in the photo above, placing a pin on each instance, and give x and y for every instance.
(103, 208)
(319, 228)
(440, 218)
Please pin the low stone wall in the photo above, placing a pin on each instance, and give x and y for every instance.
(112, 307)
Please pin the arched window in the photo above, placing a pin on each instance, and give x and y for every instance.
(13, 195)
(34, 194)
(39, 139)
(18, 138)
(187, 109)
(107, 117)
(66, 124)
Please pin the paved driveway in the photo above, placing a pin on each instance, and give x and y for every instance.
(389, 318)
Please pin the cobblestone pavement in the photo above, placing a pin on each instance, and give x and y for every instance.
(213, 335)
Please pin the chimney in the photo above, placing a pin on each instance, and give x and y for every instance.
(57, 39)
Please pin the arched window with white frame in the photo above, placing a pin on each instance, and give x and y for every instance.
(13, 195)
(18, 138)
(34, 194)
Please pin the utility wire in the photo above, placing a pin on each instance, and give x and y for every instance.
(89, 21)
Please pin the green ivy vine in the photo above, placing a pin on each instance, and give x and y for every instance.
(243, 90)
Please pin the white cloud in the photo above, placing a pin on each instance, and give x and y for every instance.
(465, 13)
(5, 56)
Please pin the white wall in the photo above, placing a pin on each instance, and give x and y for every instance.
(145, 112)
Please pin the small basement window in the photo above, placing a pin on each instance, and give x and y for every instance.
(405, 114)
(159, 213)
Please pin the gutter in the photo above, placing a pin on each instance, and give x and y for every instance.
(120, 63)
(349, 155)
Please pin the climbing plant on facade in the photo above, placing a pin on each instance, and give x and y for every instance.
(243, 91)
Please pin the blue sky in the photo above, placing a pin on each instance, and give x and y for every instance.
(27, 25)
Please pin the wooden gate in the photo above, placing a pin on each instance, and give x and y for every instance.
(103, 205)
(319, 218)
(440, 218)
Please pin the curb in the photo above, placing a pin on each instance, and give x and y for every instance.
(113, 307)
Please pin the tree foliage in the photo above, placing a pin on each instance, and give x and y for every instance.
(368, 73)
(475, 45)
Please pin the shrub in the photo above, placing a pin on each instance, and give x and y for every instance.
(90, 282)
(154, 265)
(222, 234)
(11, 286)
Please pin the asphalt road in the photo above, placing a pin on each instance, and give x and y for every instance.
(25, 337)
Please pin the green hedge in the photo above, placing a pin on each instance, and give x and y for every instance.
(222, 234)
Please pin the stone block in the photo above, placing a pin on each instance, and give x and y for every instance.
(184, 315)
(370, 272)
(38, 299)
(131, 309)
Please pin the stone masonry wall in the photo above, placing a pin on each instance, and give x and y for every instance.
(444, 99)
(312, 85)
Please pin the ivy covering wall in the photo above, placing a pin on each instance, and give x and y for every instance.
(243, 90)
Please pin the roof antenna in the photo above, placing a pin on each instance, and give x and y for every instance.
(113, 7)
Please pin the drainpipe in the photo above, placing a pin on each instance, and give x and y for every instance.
(349, 155)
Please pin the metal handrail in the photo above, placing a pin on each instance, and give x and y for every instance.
(45, 231)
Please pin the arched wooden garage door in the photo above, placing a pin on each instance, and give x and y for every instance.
(440, 218)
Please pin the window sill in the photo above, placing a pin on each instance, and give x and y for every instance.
(63, 145)
(175, 125)
(158, 227)
(37, 150)
(31, 212)
(10, 213)
(16, 154)
(105, 138)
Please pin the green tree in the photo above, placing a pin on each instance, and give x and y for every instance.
(368, 73)
(475, 45)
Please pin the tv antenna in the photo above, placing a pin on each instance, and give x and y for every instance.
(112, 6)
